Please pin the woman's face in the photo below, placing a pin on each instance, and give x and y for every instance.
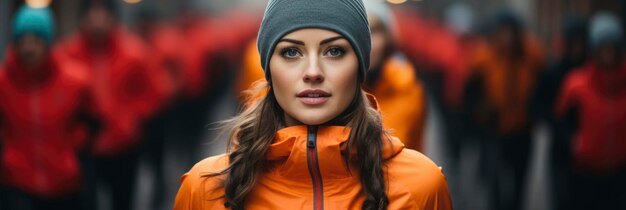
(31, 52)
(314, 75)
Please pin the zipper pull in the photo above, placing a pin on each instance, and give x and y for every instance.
(311, 137)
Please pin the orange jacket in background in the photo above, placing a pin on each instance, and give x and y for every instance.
(402, 102)
(506, 87)
(413, 180)
(251, 70)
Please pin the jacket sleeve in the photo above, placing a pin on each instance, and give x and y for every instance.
(185, 196)
(565, 99)
(420, 119)
(440, 198)
(141, 90)
(198, 191)
(431, 193)
(425, 183)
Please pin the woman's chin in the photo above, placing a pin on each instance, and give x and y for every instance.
(313, 118)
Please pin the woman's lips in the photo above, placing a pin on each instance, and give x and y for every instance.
(313, 96)
(313, 101)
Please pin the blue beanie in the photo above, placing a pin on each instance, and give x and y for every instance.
(346, 17)
(38, 21)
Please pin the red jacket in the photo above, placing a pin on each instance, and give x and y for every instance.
(435, 50)
(39, 128)
(599, 99)
(209, 42)
(123, 87)
(164, 43)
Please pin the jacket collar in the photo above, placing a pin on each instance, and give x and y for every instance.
(610, 83)
(289, 151)
(24, 79)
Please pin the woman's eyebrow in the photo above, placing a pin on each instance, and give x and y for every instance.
(292, 41)
(326, 41)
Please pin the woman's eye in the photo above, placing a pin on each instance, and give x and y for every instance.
(335, 52)
(290, 53)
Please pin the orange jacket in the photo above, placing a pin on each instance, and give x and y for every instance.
(402, 102)
(292, 181)
(251, 70)
(414, 181)
(506, 86)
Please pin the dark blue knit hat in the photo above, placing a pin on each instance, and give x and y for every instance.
(346, 17)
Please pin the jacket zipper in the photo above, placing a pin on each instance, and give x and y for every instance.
(314, 169)
(37, 138)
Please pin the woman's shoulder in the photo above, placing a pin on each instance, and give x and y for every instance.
(412, 171)
(197, 186)
(201, 171)
(411, 161)
(211, 164)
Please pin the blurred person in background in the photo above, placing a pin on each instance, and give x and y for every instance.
(184, 50)
(217, 47)
(497, 97)
(392, 79)
(211, 60)
(591, 114)
(463, 148)
(125, 92)
(164, 41)
(44, 119)
(459, 19)
(574, 53)
(460, 22)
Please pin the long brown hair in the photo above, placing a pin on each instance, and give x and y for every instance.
(252, 132)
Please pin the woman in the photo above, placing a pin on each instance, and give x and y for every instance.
(591, 121)
(393, 80)
(45, 120)
(315, 140)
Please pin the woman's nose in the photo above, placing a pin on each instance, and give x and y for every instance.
(313, 72)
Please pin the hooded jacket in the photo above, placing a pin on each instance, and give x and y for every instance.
(505, 87)
(217, 44)
(40, 127)
(306, 170)
(124, 90)
(598, 99)
(397, 87)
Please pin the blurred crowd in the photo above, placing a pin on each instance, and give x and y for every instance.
(79, 111)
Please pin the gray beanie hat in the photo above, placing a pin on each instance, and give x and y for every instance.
(346, 17)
